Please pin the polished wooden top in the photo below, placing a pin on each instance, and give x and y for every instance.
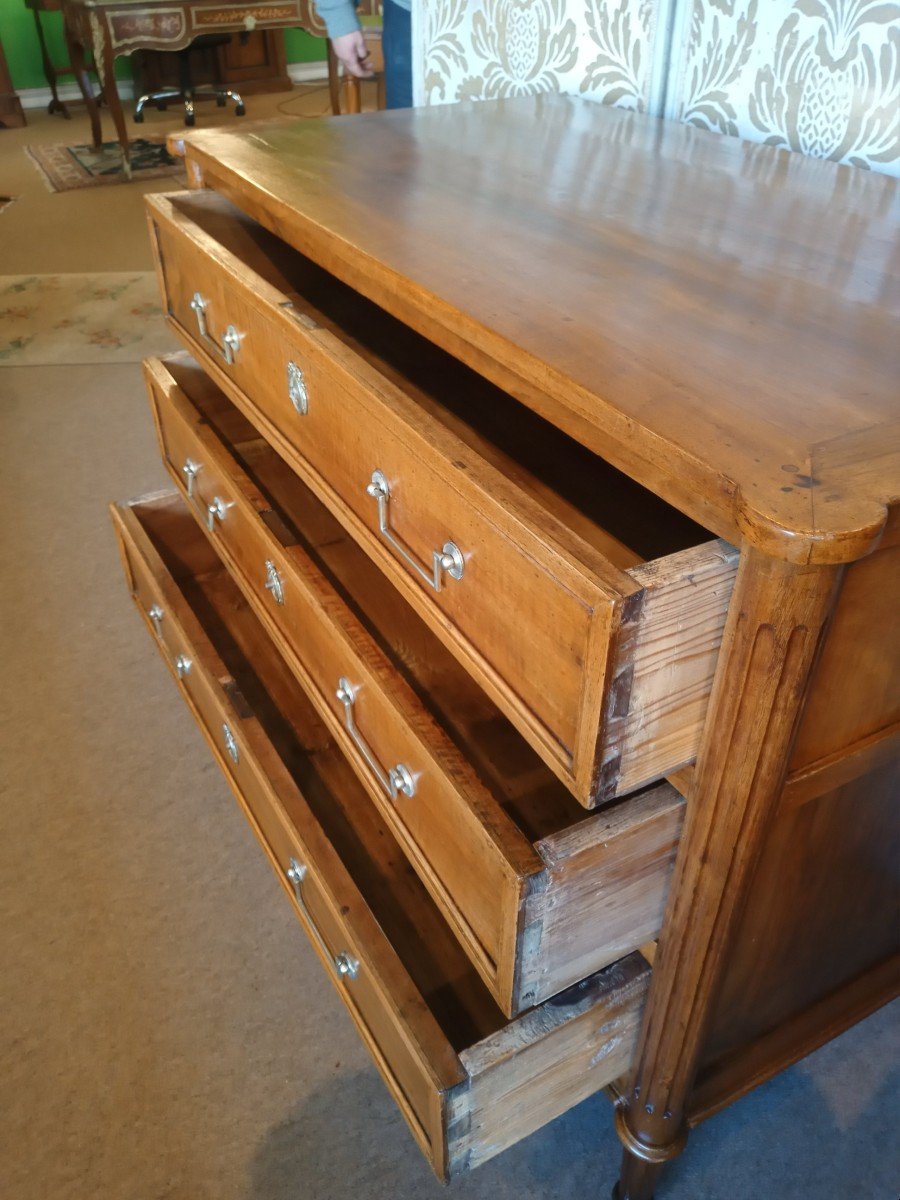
(717, 318)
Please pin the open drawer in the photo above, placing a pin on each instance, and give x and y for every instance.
(523, 553)
(469, 1082)
(540, 893)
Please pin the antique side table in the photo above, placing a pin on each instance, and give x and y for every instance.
(109, 28)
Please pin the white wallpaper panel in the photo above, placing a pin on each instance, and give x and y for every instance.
(483, 49)
(818, 76)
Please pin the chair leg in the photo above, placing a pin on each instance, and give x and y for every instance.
(353, 93)
(239, 108)
(334, 81)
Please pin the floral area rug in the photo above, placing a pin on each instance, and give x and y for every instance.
(67, 167)
(113, 317)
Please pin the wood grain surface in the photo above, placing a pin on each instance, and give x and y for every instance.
(648, 286)
(498, 842)
(608, 667)
(416, 1001)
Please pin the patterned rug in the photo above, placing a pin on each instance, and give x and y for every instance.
(66, 319)
(68, 167)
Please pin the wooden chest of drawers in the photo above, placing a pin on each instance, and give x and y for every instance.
(466, 542)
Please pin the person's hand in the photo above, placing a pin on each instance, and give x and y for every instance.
(353, 52)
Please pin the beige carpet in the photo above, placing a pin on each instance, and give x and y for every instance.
(100, 229)
(165, 1031)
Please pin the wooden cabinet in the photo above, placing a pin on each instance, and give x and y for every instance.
(391, 437)
(536, 465)
(11, 113)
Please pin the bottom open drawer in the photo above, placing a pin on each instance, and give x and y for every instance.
(469, 1081)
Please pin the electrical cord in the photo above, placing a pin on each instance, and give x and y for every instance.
(308, 89)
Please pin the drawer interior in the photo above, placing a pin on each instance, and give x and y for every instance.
(469, 1082)
(523, 785)
(430, 953)
(625, 521)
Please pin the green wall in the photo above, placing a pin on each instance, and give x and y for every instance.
(24, 56)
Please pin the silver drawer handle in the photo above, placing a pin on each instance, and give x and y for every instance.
(190, 471)
(298, 392)
(217, 510)
(449, 559)
(156, 614)
(344, 964)
(231, 744)
(231, 339)
(273, 582)
(398, 779)
(182, 665)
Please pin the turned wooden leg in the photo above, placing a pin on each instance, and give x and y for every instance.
(637, 1179)
(775, 628)
(353, 94)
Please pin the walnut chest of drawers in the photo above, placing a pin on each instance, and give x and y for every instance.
(535, 466)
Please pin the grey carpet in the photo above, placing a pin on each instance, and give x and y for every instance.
(166, 1032)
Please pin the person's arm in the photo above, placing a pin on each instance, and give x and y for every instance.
(345, 34)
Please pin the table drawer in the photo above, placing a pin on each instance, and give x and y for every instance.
(468, 1081)
(539, 893)
(607, 667)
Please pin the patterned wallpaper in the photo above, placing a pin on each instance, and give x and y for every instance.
(818, 76)
(482, 49)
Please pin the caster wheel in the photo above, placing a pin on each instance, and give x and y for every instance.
(138, 118)
(220, 101)
(160, 108)
(240, 110)
(190, 120)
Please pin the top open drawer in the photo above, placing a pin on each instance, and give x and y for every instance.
(522, 551)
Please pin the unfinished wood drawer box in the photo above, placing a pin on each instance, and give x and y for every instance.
(468, 1082)
(539, 893)
(607, 667)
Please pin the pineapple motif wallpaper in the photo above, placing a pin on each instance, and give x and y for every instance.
(484, 49)
(818, 76)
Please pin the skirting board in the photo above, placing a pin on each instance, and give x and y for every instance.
(308, 72)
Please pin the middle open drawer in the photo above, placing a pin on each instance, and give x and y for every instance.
(539, 894)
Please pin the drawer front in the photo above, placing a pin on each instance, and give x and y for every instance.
(462, 543)
(320, 899)
(468, 853)
(463, 1105)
